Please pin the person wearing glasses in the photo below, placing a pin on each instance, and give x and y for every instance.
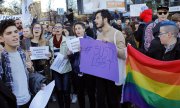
(152, 29)
(62, 79)
(168, 36)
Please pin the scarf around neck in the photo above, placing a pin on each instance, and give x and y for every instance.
(56, 42)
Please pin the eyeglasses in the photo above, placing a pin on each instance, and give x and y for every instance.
(160, 13)
(160, 34)
(37, 28)
(58, 27)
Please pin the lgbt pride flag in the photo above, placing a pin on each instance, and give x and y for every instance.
(151, 83)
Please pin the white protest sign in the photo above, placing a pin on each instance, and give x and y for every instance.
(70, 37)
(39, 52)
(73, 44)
(60, 11)
(4, 17)
(136, 9)
(59, 63)
(42, 97)
(174, 9)
(26, 16)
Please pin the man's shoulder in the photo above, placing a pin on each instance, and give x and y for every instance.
(152, 24)
(117, 31)
(149, 25)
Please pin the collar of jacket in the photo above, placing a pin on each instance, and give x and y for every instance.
(63, 39)
(9, 80)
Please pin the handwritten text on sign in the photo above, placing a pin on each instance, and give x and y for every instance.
(99, 59)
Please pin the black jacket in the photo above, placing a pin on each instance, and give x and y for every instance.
(174, 54)
(157, 51)
(7, 98)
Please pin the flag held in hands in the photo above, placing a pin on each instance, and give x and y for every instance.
(151, 83)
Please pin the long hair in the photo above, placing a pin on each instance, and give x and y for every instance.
(42, 41)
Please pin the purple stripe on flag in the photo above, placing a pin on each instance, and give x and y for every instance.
(131, 95)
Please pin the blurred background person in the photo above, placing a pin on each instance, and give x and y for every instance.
(25, 42)
(176, 18)
(129, 37)
(18, 23)
(70, 15)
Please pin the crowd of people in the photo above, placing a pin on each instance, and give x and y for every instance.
(21, 78)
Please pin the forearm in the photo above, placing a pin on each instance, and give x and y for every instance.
(121, 54)
(31, 69)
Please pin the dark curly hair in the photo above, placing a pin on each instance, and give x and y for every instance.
(5, 24)
(105, 14)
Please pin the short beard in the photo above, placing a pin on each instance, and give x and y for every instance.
(102, 25)
(19, 28)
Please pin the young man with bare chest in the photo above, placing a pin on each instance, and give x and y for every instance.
(106, 89)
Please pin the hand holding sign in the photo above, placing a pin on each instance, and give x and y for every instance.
(99, 59)
(42, 97)
(73, 44)
(59, 63)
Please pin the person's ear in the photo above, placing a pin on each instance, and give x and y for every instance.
(1, 39)
(170, 34)
(105, 20)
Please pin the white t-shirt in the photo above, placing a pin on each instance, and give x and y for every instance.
(20, 83)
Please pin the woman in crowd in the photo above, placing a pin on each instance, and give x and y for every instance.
(129, 37)
(37, 41)
(67, 31)
(84, 81)
(62, 82)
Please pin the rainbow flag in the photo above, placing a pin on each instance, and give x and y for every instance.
(151, 83)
